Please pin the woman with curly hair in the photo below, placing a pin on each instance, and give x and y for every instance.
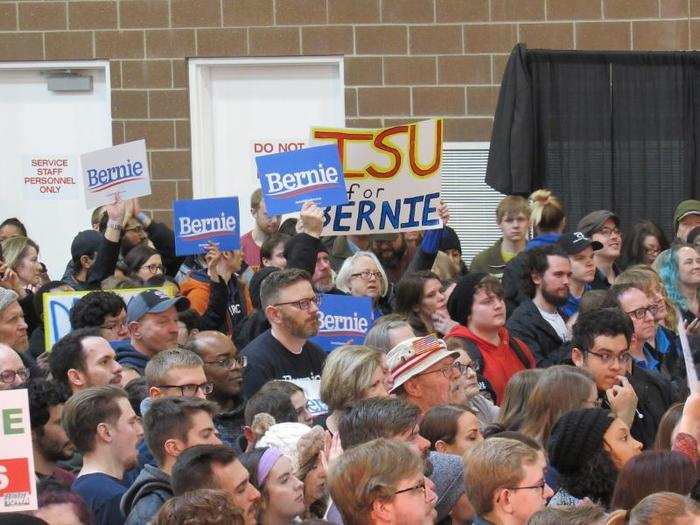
(588, 447)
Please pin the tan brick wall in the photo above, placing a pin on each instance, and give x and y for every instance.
(405, 59)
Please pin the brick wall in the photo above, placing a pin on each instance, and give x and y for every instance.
(405, 59)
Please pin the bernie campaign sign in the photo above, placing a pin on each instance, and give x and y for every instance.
(392, 178)
(118, 171)
(17, 478)
(288, 180)
(343, 320)
(198, 223)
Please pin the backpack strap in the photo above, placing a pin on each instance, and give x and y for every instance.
(519, 352)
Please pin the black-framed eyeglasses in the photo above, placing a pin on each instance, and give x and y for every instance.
(640, 313)
(541, 485)
(367, 274)
(624, 358)
(8, 376)
(448, 370)
(191, 390)
(114, 325)
(414, 488)
(240, 361)
(303, 304)
(154, 268)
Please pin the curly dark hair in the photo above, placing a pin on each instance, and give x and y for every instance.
(91, 309)
(44, 394)
(595, 479)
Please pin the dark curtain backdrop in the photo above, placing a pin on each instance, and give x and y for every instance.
(602, 130)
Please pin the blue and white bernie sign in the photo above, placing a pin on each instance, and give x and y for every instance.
(288, 180)
(343, 320)
(120, 170)
(197, 223)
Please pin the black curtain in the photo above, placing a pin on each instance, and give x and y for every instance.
(606, 130)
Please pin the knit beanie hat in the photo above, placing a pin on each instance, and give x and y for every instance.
(576, 438)
(285, 437)
(448, 476)
(459, 305)
(7, 297)
(256, 282)
(449, 240)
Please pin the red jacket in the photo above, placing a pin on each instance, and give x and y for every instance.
(500, 362)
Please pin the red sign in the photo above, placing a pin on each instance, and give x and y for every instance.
(14, 476)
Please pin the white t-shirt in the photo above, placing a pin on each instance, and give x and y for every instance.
(557, 322)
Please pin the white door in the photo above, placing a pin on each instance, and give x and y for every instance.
(243, 107)
(38, 122)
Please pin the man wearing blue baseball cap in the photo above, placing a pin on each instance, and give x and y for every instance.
(152, 320)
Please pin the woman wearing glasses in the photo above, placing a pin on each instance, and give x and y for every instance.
(143, 262)
(478, 306)
(362, 275)
(588, 447)
(643, 244)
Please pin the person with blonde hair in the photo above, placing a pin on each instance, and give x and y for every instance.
(505, 482)
(662, 351)
(547, 222)
(352, 373)
(512, 217)
(561, 388)
(382, 481)
(662, 508)
(362, 275)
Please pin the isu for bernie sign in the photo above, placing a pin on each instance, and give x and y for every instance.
(392, 178)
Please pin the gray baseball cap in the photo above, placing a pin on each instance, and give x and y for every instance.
(7, 297)
(592, 222)
(153, 302)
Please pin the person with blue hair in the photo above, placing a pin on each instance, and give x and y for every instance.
(679, 269)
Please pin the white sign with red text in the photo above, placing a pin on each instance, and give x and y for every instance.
(49, 177)
(17, 478)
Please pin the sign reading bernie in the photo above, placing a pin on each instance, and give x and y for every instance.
(199, 222)
(290, 179)
(343, 320)
(392, 178)
(117, 171)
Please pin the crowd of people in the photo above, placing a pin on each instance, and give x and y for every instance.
(546, 383)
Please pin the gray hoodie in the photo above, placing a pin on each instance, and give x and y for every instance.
(146, 495)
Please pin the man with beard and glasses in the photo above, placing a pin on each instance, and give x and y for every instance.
(283, 351)
(50, 442)
(537, 321)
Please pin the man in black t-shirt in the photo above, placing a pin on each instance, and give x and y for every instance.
(284, 352)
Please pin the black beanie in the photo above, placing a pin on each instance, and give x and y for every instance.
(459, 305)
(255, 283)
(291, 244)
(449, 240)
(576, 438)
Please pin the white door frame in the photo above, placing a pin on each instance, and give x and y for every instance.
(42, 65)
(203, 181)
